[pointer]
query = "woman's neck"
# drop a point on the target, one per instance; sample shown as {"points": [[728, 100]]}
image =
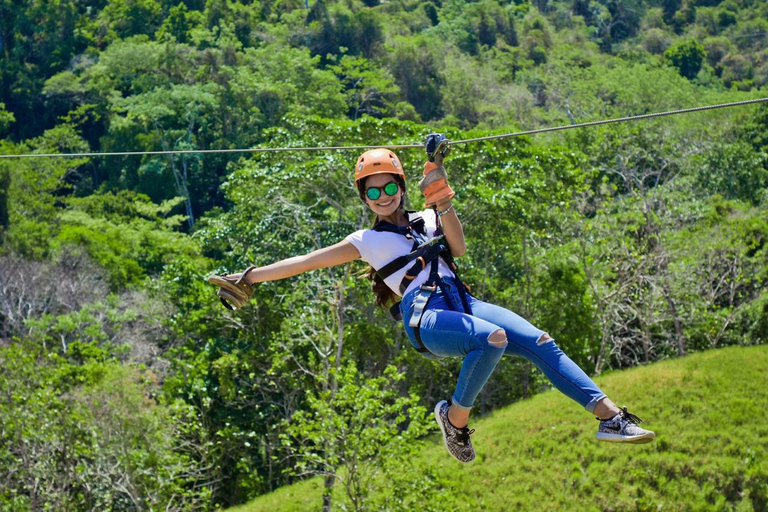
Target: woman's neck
{"points": [[399, 218]]}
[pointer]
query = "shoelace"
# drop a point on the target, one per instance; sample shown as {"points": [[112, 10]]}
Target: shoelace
{"points": [[625, 414], [463, 435], [630, 417]]}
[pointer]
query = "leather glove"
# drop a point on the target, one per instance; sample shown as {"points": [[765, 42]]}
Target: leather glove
{"points": [[233, 294], [434, 184]]}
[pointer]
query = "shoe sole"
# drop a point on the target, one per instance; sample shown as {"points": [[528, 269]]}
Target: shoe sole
{"points": [[618, 438], [442, 430]]}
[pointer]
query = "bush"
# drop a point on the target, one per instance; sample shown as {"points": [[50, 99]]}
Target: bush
{"points": [[687, 57], [656, 41], [81, 433]]}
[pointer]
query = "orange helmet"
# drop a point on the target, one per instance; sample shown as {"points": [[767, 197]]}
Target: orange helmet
{"points": [[377, 161]]}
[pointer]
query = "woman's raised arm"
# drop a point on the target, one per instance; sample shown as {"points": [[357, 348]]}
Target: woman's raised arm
{"points": [[338, 254]]}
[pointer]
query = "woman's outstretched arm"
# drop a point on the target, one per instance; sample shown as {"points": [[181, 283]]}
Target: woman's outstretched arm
{"points": [[338, 254]]}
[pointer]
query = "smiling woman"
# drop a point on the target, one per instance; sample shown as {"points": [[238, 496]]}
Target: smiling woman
{"points": [[412, 256]]}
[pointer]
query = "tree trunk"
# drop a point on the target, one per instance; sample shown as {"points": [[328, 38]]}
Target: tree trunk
{"points": [[328, 492], [601, 353], [185, 191], [334, 383], [181, 182], [672, 306]]}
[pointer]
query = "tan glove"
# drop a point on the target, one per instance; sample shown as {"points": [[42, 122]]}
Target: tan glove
{"points": [[233, 293], [434, 184]]}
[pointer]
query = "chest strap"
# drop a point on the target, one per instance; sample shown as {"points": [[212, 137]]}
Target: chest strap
{"points": [[422, 255]]}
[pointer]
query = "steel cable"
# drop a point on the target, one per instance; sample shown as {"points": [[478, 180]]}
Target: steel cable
{"points": [[390, 146]]}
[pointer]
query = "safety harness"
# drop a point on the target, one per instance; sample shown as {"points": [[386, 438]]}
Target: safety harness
{"points": [[424, 252]]}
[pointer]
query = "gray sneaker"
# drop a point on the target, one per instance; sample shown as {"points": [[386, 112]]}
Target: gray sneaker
{"points": [[456, 439], [623, 428]]}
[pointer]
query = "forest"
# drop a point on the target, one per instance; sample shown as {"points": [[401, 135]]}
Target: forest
{"points": [[125, 385]]}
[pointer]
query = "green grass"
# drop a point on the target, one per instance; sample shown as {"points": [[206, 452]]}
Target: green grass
{"points": [[711, 453]]}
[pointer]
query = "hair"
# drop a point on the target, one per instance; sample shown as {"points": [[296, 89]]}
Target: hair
{"points": [[384, 294]]}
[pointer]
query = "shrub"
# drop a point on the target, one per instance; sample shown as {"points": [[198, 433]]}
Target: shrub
{"points": [[687, 57]]}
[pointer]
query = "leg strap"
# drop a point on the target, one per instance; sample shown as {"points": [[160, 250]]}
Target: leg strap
{"points": [[419, 304]]}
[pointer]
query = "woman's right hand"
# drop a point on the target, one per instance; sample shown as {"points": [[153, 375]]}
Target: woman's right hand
{"points": [[250, 279]]}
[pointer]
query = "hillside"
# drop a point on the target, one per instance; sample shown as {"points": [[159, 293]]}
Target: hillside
{"points": [[124, 383], [708, 411]]}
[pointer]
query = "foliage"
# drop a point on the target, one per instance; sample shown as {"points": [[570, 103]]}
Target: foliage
{"points": [[125, 233], [368, 90], [35, 188], [80, 432], [629, 243], [721, 466], [359, 433], [687, 57]]}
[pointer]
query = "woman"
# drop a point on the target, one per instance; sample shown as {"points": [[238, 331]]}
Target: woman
{"points": [[412, 256]]}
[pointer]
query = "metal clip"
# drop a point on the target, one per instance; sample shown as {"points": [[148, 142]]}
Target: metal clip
{"points": [[431, 242]]}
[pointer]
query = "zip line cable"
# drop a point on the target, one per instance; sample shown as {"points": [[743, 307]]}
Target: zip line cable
{"points": [[617, 120], [391, 146]]}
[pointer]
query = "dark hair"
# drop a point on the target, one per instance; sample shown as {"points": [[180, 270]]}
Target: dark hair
{"points": [[384, 294]]}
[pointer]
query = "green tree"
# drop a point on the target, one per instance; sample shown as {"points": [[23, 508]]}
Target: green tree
{"points": [[122, 19], [723, 274], [37, 188], [417, 71], [38, 39], [369, 90], [80, 432], [735, 171], [6, 120], [357, 433], [687, 57], [333, 28], [171, 119], [179, 23]]}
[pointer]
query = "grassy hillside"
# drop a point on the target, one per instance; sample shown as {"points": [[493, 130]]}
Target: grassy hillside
{"points": [[709, 413]]}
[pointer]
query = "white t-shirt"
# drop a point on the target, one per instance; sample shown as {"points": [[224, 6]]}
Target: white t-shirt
{"points": [[378, 248]]}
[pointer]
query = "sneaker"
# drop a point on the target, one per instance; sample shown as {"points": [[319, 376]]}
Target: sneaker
{"points": [[456, 439], [623, 428]]}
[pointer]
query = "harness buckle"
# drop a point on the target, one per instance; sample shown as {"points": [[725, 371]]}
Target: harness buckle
{"points": [[429, 288]]}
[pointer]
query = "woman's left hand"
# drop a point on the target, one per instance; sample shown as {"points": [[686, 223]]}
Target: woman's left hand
{"points": [[434, 184]]}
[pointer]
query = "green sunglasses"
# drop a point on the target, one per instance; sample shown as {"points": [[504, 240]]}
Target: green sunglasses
{"points": [[374, 193]]}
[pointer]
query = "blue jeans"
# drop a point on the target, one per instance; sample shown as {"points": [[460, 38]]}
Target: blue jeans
{"points": [[447, 333]]}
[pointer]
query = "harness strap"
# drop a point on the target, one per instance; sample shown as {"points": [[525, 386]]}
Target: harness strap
{"points": [[423, 252], [419, 305], [418, 252], [431, 254], [421, 301]]}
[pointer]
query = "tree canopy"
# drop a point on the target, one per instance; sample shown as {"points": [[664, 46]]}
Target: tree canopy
{"points": [[125, 385]]}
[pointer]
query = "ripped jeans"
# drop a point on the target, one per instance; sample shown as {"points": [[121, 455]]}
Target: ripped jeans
{"points": [[447, 333]]}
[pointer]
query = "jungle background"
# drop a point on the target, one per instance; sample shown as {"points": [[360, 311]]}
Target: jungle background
{"points": [[125, 385]]}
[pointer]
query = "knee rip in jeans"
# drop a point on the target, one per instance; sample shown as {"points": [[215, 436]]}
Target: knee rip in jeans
{"points": [[543, 339], [498, 338]]}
